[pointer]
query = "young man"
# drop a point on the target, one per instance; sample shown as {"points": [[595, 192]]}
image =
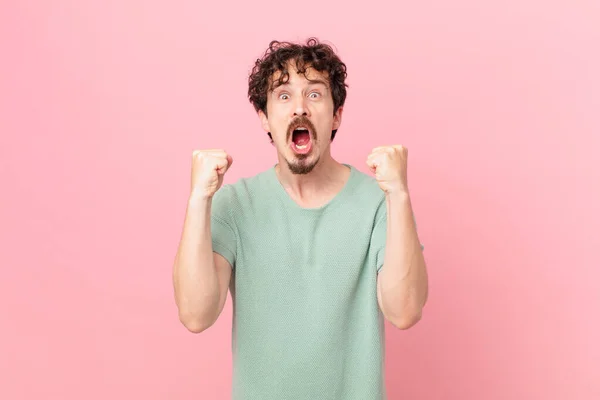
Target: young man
{"points": [[314, 252]]}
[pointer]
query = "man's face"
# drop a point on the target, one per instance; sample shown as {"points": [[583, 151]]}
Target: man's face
{"points": [[300, 118]]}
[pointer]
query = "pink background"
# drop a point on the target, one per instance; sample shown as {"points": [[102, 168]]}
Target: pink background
{"points": [[102, 103]]}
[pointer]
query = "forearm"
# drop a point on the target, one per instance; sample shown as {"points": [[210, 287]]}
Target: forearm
{"points": [[403, 280], [195, 277]]}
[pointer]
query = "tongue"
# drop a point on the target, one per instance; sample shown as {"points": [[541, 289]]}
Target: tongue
{"points": [[301, 138]]}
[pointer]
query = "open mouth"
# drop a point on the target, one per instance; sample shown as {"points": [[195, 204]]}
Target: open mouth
{"points": [[301, 140]]}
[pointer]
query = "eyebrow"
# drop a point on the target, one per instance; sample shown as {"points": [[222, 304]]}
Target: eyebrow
{"points": [[311, 82], [318, 82]]}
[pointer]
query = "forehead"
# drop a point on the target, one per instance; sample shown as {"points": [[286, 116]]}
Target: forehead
{"points": [[308, 76]]}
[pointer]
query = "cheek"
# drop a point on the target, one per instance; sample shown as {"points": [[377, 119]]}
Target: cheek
{"points": [[281, 122], [325, 124], [278, 130], [279, 126]]}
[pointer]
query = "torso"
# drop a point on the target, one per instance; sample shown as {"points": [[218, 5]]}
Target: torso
{"points": [[306, 317]]}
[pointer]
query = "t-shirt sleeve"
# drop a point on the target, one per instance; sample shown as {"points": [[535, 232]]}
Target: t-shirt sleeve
{"points": [[222, 226], [379, 235]]}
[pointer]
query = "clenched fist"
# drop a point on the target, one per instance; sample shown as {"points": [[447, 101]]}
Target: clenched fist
{"points": [[389, 164], [208, 169]]}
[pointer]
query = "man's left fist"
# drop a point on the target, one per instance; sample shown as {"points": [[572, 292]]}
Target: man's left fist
{"points": [[389, 164]]}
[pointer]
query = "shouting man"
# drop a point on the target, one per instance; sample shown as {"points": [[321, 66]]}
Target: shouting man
{"points": [[315, 253]]}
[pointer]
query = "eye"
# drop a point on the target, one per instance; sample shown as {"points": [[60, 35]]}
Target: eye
{"points": [[284, 96], [314, 95]]}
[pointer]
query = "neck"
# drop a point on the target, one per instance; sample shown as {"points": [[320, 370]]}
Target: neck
{"points": [[326, 176]]}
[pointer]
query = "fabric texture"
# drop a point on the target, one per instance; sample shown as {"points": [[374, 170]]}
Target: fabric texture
{"points": [[306, 322]]}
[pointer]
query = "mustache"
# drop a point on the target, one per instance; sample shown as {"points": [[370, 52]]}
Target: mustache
{"points": [[301, 121]]}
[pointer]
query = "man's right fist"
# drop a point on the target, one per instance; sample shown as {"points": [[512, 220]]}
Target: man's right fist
{"points": [[208, 168]]}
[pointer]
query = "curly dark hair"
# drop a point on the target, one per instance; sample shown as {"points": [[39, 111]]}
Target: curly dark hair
{"points": [[314, 54]]}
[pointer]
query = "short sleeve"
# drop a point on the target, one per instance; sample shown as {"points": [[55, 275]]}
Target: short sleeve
{"points": [[379, 236], [222, 226]]}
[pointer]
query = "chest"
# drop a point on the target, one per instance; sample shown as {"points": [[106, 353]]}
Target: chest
{"points": [[329, 249]]}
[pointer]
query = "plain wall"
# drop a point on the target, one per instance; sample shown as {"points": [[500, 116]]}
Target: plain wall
{"points": [[103, 102]]}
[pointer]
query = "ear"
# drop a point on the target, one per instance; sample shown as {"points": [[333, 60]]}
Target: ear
{"points": [[264, 121], [337, 118]]}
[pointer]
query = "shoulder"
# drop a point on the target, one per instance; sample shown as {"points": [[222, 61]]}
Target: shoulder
{"points": [[365, 185], [241, 191], [366, 180], [367, 194]]}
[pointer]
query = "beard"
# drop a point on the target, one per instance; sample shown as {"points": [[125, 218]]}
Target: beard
{"points": [[301, 165]]}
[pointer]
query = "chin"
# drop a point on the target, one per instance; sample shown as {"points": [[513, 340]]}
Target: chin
{"points": [[302, 165]]}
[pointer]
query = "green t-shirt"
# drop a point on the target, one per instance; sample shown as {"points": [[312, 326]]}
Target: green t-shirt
{"points": [[306, 322]]}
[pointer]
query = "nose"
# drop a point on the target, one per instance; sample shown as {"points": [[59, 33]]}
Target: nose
{"points": [[300, 108]]}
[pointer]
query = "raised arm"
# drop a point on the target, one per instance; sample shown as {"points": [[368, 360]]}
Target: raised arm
{"points": [[200, 276]]}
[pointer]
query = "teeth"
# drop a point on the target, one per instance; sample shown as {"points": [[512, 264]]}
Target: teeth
{"points": [[301, 147]]}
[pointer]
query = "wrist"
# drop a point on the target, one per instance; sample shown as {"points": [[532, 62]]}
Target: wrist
{"points": [[197, 198], [400, 194]]}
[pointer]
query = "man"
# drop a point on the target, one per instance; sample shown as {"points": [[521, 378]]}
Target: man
{"points": [[314, 252]]}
